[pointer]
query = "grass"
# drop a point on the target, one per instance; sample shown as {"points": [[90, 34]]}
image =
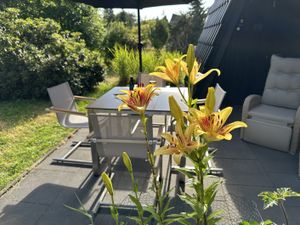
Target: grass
{"points": [[28, 132]]}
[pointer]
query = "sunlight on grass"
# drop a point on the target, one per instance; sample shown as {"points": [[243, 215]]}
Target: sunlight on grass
{"points": [[28, 132]]}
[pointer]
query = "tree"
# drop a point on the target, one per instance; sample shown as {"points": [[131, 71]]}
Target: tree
{"points": [[159, 33], [186, 28], [179, 32], [127, 18], [117, 34], [108, 16], [71, 16], [198, 14]]}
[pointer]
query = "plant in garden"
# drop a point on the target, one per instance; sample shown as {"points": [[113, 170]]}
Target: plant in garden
{"points": [[194, 130], [125, 61], [159, 33], [36, 54], [275, 198]]}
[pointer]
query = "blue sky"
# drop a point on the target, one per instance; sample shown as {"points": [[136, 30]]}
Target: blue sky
{"points": [[154, 12]]}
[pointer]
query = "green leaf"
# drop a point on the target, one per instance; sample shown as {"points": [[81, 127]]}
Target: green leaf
{"points": [[137, 202], [273, 198]]}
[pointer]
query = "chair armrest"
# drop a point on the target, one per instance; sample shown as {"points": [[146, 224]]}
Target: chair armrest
{"points": [[296, 134], [83, 98], [53, 109], [201, 101], [250, 102]]}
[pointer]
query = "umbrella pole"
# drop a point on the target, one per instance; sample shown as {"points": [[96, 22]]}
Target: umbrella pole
{"points": [[140, 45]]}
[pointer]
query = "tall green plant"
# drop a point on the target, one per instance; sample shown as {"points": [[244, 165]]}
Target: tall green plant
{"points": [[125, 61]]}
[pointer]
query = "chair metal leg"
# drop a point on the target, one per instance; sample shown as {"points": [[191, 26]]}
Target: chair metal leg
{"points": [[75, 162]]}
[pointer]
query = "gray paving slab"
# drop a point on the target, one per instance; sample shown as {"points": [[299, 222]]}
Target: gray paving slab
{"points": [[249, 169]]}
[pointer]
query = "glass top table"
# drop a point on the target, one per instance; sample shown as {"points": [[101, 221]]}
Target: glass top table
{"points": [[158, 105]]}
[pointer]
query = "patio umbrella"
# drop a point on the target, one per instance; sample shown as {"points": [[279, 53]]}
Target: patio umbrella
{"points": [[133, 4]]}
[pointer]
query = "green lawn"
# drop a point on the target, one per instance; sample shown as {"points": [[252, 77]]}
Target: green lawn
{"points": [[27, 132]]}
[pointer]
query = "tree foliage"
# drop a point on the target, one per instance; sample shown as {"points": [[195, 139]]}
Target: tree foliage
{"points": [[127, 18], [118, 34], [186, 28], [36, 53], [159, 33], [71, 16]]}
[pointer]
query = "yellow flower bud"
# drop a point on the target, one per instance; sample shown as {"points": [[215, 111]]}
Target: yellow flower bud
{"points": [[107, 183], [127, 161]]}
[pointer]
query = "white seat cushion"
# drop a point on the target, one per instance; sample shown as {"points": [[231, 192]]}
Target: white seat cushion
{"points": [[76, 121], [283, 83], [272, 113]]}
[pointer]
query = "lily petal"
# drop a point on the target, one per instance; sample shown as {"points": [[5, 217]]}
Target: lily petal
{"points": [[202, 76]]}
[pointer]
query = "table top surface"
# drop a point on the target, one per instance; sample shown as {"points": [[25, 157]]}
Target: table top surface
{"points": [[159, 104]]}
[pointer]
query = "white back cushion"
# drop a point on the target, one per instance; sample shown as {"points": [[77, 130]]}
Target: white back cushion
{"points": [[283, 83]]}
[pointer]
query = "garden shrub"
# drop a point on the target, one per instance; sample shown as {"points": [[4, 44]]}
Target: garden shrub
{"points": [[118, 34], [126, 61], [35, 53], [71, 16]]}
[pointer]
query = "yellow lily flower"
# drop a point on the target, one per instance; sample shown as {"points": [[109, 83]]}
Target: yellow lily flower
{"points": [[195, 76], [137, 99], [212, 124], [170, 72], [183, 143]]}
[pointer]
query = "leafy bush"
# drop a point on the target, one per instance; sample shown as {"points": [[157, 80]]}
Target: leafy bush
{"points": [[36, 53], [118, 34], [71, 16], [126, 61]]}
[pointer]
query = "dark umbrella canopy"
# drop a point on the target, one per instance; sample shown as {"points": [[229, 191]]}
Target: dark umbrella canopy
{"points": [[133, 4], [129, 4]]}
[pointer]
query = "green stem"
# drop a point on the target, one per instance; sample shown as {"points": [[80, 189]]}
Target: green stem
{"points": [[284, 213], [200, 195], [140, 214], [115, 210], [182, 96], [151, 162]]}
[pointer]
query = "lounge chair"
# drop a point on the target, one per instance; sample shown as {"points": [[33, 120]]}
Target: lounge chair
{"points": [[274, 118]]}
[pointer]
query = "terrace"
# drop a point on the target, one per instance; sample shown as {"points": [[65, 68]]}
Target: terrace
{"points": [[43, 194], [40, 196]]}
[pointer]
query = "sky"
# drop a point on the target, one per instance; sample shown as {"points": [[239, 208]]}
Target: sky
{"points": [[161, 11]]}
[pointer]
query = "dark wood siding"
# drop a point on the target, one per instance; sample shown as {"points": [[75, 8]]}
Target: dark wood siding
{"points": [[251, 31]]}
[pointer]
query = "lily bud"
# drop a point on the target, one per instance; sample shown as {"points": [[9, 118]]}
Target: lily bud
{"points": [[127, 162], [107, 183]]}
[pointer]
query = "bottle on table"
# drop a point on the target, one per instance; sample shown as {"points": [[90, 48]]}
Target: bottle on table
{"points": [[131, 83]]}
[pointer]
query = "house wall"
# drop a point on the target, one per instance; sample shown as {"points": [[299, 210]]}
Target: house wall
{"points": [[261, 28]]}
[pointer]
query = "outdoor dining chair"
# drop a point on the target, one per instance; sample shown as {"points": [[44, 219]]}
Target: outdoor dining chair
{"points": [[64, 106], [114, 133], [145, 79], [219, 95]]}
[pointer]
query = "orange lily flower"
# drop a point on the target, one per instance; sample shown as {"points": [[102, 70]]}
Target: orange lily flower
{"points": [[183, 143], [170, 72], [212, 124], [137, 99]]}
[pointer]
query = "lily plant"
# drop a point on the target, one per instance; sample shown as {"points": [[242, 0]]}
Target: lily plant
{"points": [[195, 129]]}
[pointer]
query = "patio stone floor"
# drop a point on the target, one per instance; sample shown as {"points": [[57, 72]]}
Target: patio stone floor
{"points": [[39, 198]]}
